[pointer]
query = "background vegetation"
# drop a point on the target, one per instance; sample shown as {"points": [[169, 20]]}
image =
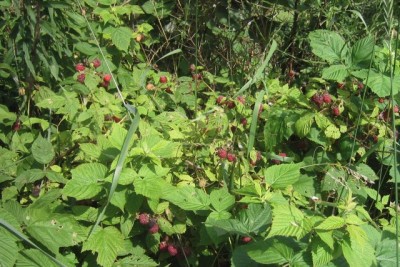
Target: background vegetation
{"points": [[199, 133]]}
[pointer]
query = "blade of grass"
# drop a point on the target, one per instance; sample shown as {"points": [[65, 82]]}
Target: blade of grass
{"points": [[23, 237], [117, 173], [260, 71], [176, 51], [254, 121]]}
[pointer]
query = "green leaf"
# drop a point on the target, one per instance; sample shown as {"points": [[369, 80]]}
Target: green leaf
{"points": [[121, 38], [34, 258], [280, 176], [386, 253], [188, 198], [42, 150], [271, 251], [85, 181], [255, 217], [151, 187], [380, 84], [335, 72], [330, 223], [137, 260], [328, 45], [362, 50], [321, 253], [288, 221], [357, 256], [8, 250], [303, 125], [107, 243], [332, 132], [221, 199]]}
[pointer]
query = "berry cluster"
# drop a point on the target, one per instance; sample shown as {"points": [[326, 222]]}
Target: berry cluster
{"points": [[224, 154], [146, 219], [81, 68], [325, 98]]}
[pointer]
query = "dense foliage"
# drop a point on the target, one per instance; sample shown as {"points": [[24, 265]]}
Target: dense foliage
{"points": [[199, 133]]}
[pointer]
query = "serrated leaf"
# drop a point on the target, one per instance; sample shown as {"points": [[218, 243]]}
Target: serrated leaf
{"points": [[335, 72], [85, 181], [121, 38], [332, 132], [330, 223], [137, 260], [288, 221], [327, 238], [34, 258], [303, 125], [107, 243], [362, 50], [328, 45], [321, 253], [380, 84], [221, 199], [255, 217], [280, 176], [322, 121], [8, 250], [42, 150], [352, 254], [189, 198]]}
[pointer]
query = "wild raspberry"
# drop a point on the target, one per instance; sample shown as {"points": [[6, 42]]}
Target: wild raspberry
{"points": [[144, 218], [172, 250], [230, 104], [231, 157], [154, 229], [335, 111], [241, 99], [243, 121], [96, 63], [246, 239], [81, 78], [318, 99], [80, 67], [163, 246], [220, 100], [107, 78], [326, 98], [396, 109], [222, 153], [163, 79]]}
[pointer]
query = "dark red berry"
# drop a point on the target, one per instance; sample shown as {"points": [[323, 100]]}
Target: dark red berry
{"points": [[335, 111], [163, 79], [340, 85], [326, 98], [81, 78], [220, 100], [360, 86], [105, 84], [163, 246], [230, 104], [243, 121], [375, 139], [197, 76], [116, 119], [154, 228], [292, 73], [172, 250], [168, 90], [16, 126], [144, 218], [246, 239], [80, 67], [396, 109], [96, 63], [107, 78], [231, 157], [318, 99], [222, 153], [241, 99], [381, 100]]}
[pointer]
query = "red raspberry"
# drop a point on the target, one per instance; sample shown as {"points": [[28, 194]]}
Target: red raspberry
{"points": [[246, 239], [335, 111], [107, 78], [163, 79], [340, 85], [154, 228], [172, 250], [220, 100], [381, 100], [241, 99], [326, 98], [163, 245], [231, 157], [222, 153], [230, 104], [81, 78], [16, 126], [144, 218], [396, 109], [96, 63], [197, 76], [243, 121], [360, 86], [318, 99], [80, 67]]}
